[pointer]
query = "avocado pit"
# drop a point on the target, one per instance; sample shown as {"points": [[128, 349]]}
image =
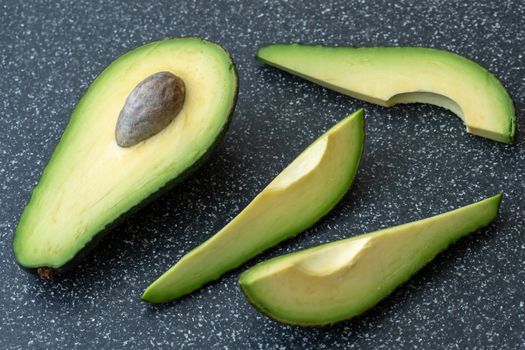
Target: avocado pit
{"points": [[150, 108]]}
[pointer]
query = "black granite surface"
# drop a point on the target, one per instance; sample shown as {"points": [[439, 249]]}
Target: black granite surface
{"points": [[418, 161]]}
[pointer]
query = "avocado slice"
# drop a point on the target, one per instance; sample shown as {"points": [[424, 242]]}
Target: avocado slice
{"points": [[340, 280], [390, 75], [298, 197], [169, 102]]}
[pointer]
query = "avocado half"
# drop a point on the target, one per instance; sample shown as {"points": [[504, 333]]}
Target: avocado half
{"points": [[340, 280], [390, 75], [298, 197], [91, 181]]}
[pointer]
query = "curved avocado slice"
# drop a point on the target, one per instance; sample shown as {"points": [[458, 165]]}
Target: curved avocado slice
{"points": [[390, 75], [91, 181], [340, 280], [297, 198]]}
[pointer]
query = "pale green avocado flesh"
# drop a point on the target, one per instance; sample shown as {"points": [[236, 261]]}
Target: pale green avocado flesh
{"points": [[340, 280], [90, 181], [391, 75], [297, 198]]}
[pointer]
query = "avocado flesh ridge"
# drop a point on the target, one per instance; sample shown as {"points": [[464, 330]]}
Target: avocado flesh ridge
{"points": [[298, 197], [90, 181], [390, 75], [340, 280]]}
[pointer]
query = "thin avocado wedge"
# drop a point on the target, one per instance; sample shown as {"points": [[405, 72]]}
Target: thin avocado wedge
{"points": [[149, 119], [298, 197], [340, 280], [390, 75]]}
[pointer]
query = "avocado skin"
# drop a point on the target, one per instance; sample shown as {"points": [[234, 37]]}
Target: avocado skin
{"points": [[81, 254]]}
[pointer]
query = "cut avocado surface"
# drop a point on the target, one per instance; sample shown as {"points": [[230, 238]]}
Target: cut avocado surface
{"points": [[340, 280], [297, 198], [91, 181], [390, 75]]}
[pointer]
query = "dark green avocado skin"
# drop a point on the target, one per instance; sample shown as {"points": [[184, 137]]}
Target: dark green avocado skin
{"points": [[69, 265]]}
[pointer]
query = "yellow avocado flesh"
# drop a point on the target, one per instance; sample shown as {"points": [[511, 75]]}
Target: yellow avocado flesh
{"points": [[391, 75], [298, 197], [340, 280], [90, 181]]}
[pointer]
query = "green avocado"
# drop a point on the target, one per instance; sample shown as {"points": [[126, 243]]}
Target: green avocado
{"points": [[340, 280], [147, 120], [298, 197], [390, 75]]}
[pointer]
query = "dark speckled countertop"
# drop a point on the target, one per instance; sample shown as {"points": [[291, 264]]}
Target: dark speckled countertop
{"points": [[418, 161]]}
